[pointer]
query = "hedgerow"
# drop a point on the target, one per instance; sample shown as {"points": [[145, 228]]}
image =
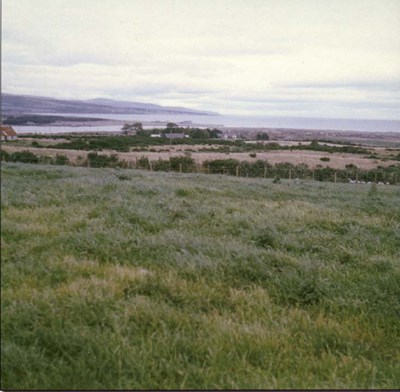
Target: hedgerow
{"points": [[233, 167]]}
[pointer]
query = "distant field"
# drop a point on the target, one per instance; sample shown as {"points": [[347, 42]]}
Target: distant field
{"points": [[373, 158], [128, 279]]}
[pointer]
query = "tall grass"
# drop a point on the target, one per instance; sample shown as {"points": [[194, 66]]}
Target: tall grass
{"points": [[122, 279]]}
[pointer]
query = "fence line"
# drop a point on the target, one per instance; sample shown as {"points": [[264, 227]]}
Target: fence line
{"points": [[258, 169], [272, 172]]}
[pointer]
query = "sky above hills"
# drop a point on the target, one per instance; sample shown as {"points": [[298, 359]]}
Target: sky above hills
{"points": [[310, 58]]}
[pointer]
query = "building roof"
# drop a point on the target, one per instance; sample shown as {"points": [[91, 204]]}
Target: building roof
{"points": [[7, 131], [174, 135]]}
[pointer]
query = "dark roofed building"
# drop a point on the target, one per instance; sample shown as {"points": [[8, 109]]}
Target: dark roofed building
{"points": [[8, 133], [175, 135]]}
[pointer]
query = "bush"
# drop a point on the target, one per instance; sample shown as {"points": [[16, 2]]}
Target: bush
{"points": [[143, 163], [222, 166], [24, 157], [4, 155], [95, 160], [253, 169], [186, 163], [61, 160], [161, 165]]}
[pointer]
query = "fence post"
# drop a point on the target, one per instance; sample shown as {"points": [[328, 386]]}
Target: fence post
{"points": [[265, 171], [180, 168], [237, 171], [335, 177]]}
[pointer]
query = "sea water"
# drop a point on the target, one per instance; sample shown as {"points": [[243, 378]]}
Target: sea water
{"points": [[221, 121]]}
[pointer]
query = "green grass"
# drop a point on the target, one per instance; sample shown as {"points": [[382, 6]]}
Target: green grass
{"points": [[122, 279]]}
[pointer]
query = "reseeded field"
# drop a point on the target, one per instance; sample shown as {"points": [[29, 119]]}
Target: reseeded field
{"points": [[128, 279], [310, 158], [132, 148]]}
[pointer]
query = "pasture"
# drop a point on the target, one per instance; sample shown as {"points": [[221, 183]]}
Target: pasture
{"points": [[129, 279]]}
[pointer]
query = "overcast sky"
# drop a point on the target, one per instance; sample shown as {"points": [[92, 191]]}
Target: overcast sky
{"points": [[309, 58]]}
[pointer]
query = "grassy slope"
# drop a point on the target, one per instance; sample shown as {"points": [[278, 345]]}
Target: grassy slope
{"points": [[127, 279]]}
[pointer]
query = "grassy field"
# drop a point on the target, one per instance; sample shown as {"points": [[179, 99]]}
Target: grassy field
{"points": [[122, 279]]}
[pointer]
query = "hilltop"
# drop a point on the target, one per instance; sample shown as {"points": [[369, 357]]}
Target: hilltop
{"points": [[17, 104]]}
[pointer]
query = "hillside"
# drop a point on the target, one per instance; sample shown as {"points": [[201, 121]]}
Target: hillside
{"points": [[129, 279], [16, 104]]}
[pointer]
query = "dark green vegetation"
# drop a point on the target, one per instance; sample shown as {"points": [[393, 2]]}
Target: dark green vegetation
{"points": [[194, 133], [123, 279], [121, 143], [207, 137], [259, 168], [30, 157]]}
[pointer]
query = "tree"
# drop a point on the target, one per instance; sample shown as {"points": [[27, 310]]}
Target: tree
{"points": [[126, 128], [172, 126], [215, 133], [137, 126], [197, 133]]}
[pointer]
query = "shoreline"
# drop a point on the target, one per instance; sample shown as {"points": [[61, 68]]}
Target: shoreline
{"points": [[275, 134]]}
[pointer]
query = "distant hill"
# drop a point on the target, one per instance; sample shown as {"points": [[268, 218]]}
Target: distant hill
{"points": [[17, 104]]}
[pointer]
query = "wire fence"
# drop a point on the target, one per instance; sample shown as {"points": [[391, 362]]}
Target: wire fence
{"points": [[232, 167], [262, 169]]}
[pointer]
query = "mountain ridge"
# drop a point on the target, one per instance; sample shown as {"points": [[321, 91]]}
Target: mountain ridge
{"points": [[16, 104]]}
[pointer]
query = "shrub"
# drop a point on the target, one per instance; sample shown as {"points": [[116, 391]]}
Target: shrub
{"points": [[61, 160], [46, 160], [4, 155], [143, 163], [325, 159], [186, 163], [222, 166], [161, 165], [24, 157], [253, 169], [95, 160]]}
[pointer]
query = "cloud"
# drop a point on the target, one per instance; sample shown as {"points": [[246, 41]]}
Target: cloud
{"points": [[303, 56]]}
